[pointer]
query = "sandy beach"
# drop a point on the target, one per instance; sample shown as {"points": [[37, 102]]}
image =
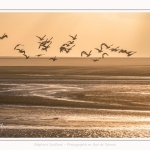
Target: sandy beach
{"points": [[76, 101]]}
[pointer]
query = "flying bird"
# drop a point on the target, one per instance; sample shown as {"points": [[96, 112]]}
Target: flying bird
{"points": [[4, 35], [96, 59], [84, 52], [104, 54], [44, 43], [41, 39], [48, 41], [104, 44], [74, 37], [70, 42], [70, 48], [66, 45], [130, 53], [46, 47], [99, 50], [39, 55], [122, 51], [21, 51], [54, 58], [62, 48], [114, 49]]}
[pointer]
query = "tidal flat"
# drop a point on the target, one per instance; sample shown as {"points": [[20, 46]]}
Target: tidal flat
{"points": [[75, 101]]}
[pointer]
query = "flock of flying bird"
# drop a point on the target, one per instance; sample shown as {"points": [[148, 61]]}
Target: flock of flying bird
{"points": [[129, 53], [45, 44]]}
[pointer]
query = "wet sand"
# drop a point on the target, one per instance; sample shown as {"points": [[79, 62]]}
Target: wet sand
{"points": [[75, 101], [38, 121]]}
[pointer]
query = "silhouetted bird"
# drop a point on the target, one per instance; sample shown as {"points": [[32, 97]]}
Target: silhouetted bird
{"points": [[62, 48], [17, 46], [122, 51], [66, 45], [84, 52], [114, 49], [54, 58], [104, 54], [39, 55], [44, 43], [70, 42], [70, 48], [4, 36], [74, 37], [21, 51], [48, 41], [99, 50], [46, 47], [26, 56], [104, 44], [41, 38], [96, 59], [130, 53]]}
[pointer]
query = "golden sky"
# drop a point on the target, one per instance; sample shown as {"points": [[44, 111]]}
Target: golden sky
{"points": [[129, 30]]}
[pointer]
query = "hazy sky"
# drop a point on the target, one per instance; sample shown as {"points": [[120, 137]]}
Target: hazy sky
{"points": [[130, 31]]}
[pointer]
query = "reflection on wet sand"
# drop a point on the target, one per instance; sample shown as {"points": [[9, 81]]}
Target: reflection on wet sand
{"points": [[126, 123], [35, 104]]}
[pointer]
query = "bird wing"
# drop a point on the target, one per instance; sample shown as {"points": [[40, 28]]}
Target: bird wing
{"points": [[73, 46], [105, 54], [51, 38], [71, 36], [38, 37], [16, 46], [97, 49], [83, 52], [43, 36], [104, 45], [25, 55]]}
